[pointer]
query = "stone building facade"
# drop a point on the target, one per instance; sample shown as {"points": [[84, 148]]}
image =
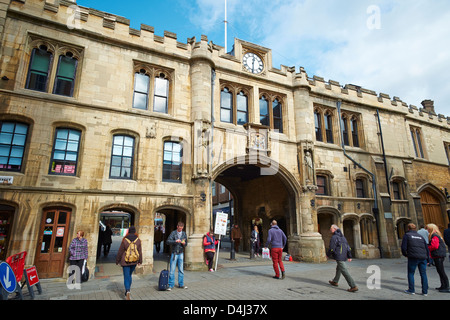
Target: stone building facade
{"points": [[99, 117]]}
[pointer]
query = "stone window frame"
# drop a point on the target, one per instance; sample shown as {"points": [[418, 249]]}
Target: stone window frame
{"points": [[328, 175], [57, 49], [154, 72], [179, 141], [348, 119], [447, 151], [19, 120], [133, 156], [235, 90], [68, 126], [366, 181], [400, 183], [418, 142], [320, 113], [271, 97]]}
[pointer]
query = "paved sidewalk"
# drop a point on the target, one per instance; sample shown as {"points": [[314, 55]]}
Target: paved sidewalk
{"points": [[251, 279]]}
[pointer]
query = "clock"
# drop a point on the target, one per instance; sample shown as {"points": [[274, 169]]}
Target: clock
{"points": [[253, 63]]}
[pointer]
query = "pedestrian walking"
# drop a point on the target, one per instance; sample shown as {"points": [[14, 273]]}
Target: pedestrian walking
{"points": [[78, 253], [107, 240], [255, 238], [209, 245], [340, 251], [158, 238], [236, 236], [415, 248], [129, 256], [277, 239], [438, 252], [177, 241]]}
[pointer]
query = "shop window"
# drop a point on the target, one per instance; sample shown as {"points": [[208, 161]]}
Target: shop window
{"points": [[122, 157], [13, 137], [65, 75], [172, 162], [38, 71], [6, 222], [65, 152]]}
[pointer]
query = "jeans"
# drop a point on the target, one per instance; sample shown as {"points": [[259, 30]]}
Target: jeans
{"points": [[127, 272], [422, 265], [176, 260], [276, 254], [341, 268]]}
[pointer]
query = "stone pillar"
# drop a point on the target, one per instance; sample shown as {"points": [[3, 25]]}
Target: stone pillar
{"points": [[201, 67], [311, 247]]}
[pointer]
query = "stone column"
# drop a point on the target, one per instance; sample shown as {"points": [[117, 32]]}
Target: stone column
{"points": [[311, 247], [201, 67]]}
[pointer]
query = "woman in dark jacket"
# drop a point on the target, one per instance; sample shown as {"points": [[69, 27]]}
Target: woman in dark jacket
{"points": [[438, 251], [129, 265]]}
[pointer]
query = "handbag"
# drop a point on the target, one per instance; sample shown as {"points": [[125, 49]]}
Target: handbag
{"points": [[265, 253], [85, 272]]}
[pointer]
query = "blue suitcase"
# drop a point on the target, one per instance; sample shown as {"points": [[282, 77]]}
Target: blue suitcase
{"points": [[163, 283]]}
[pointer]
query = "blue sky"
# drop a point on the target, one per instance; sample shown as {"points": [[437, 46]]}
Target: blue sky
{"points": [[397, 47]]}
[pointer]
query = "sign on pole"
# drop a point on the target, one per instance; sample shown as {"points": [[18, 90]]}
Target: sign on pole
{"points": [[221, 223], [7, 278], [220, 229]]}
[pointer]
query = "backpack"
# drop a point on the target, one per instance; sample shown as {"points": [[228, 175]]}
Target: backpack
{"points": [[132, 254]]}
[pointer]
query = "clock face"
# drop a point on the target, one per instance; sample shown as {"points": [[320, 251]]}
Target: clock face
{"points": [[253, 63]]}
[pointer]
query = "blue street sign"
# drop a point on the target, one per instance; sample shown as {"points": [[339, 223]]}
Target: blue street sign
{"points": [[7, 277]]}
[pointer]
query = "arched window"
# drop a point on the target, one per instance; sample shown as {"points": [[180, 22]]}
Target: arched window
{"points": [[277, 115], [354, 127], [38, 71], [242, 108], [318, 125], [361, 188], [264, 116], [328, 119], [66, 146], [345, 130], [226, 106], [13, 136], [141, 89], [65, 75], [161, 97], [172, 162]]}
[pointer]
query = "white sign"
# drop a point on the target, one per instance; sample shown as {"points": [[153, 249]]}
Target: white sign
{"points": [[6, 180], [221, 223]]}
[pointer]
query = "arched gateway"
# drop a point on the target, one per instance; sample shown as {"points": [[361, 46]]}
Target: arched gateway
{"points": [[264, 190]]}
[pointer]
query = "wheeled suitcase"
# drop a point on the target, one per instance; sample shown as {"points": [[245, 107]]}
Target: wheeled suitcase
{"points": [[163, 283]]}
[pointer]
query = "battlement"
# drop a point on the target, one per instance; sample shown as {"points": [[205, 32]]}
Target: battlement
{"points": [[67, 14]]}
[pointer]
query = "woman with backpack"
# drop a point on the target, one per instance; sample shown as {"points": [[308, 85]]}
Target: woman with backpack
{"points": [[438, 251], [129, 255]]}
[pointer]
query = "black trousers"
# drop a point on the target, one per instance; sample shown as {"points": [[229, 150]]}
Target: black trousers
{"points": [[210, 258], [439, 262]]}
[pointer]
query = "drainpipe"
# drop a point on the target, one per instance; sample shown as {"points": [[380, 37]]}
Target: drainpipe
{"points": [[375, 209], [384, 155]]}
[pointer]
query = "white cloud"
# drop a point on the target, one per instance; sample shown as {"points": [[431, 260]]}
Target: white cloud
{"points": [[408, 57]]}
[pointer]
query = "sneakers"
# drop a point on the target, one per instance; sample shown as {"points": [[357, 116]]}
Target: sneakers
{"points": [[211, 270], [182, 287], [128, 295], [409, 292]]}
